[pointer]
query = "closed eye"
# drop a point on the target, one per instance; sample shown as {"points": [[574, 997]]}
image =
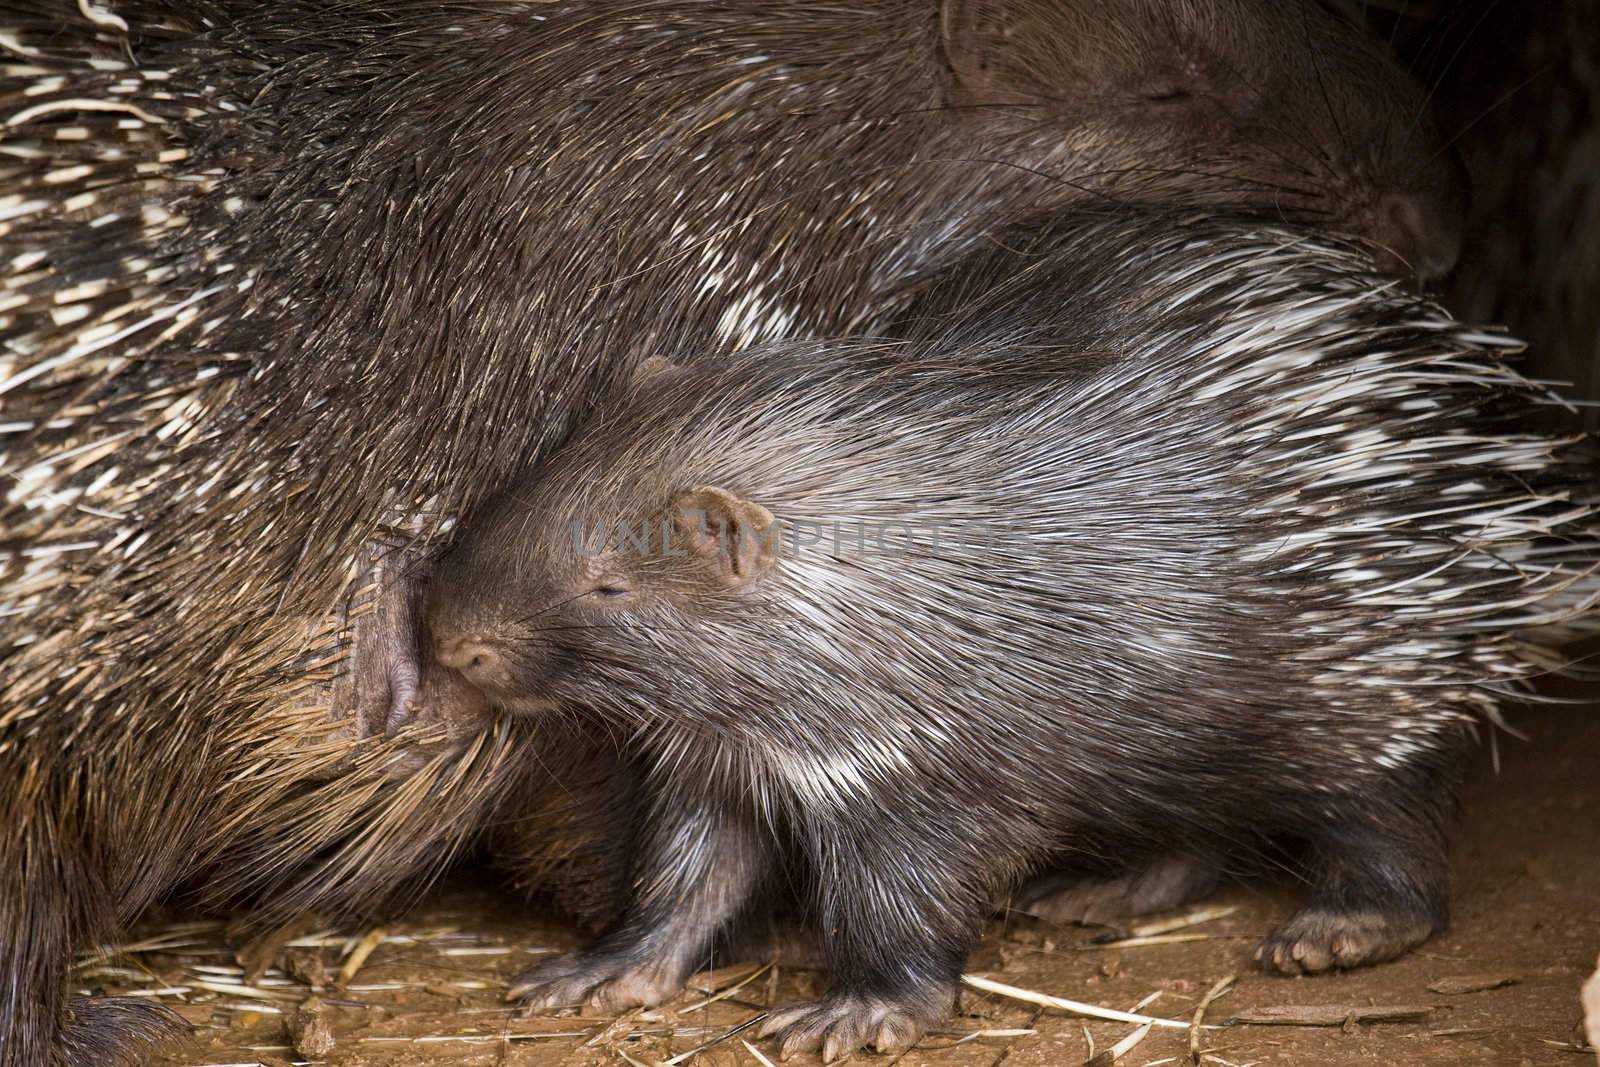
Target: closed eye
{"points": [[1169, 96], [610, 592]]}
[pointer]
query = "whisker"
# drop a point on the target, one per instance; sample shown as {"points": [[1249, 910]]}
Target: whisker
{"points": [[546, 610], [1345, 142], [629, 626], [1438, 80], [1500, 102]]}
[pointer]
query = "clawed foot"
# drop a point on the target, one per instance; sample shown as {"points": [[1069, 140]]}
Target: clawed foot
{"points": [[387, 688], [597, 980], [1318, 939], [841, 1024]]}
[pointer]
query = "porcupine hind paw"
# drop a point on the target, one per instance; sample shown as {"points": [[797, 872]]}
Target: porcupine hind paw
{"points": [[599, 980], [116, 1031], [1069, 897], [841, 1023], [1322, 939], [1380, 879]]}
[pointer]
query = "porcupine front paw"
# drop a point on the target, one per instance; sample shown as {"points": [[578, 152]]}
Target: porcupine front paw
{"points": [[841, 1023], [116, 1031], [1322, 939], [600, 980]]}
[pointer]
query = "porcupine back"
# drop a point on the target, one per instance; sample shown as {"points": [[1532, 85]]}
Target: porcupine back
{"points": [[1256, 443]]}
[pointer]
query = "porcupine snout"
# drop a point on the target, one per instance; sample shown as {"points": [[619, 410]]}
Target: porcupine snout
{"points": [[487, 667], [470, 654], [1422, 229]]}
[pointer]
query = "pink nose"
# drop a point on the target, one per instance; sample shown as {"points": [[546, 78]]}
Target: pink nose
{"points": [[469, 655], [1421, 230]]}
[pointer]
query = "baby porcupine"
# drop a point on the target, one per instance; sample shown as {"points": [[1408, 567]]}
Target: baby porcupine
{"points": [[1193, 532]]}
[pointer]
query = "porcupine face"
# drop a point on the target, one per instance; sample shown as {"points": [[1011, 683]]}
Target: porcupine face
{"points": [[553, 595], [1276, 108]]}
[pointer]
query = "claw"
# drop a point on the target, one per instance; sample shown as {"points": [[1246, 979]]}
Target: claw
{"points": [[1316, 940], [404, 698], [840, 1025], [605, 983]]}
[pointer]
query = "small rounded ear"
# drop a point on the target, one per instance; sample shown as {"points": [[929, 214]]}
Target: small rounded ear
{"points": [[1033, 52], [977, 35], [736, 538]]}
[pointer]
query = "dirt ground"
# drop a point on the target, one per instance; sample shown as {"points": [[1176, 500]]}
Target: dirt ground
{"points": [[1499, 987]]}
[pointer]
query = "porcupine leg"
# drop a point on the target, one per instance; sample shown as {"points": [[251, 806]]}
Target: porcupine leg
{"points": [[699, 862], [33, 957], [897, 916], [563, 831], [1077, 897], [41, 888], [1380, 882]]}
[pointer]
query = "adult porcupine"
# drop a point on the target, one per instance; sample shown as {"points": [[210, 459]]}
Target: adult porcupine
{"points": [[258, 255], [1186, 534]]}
